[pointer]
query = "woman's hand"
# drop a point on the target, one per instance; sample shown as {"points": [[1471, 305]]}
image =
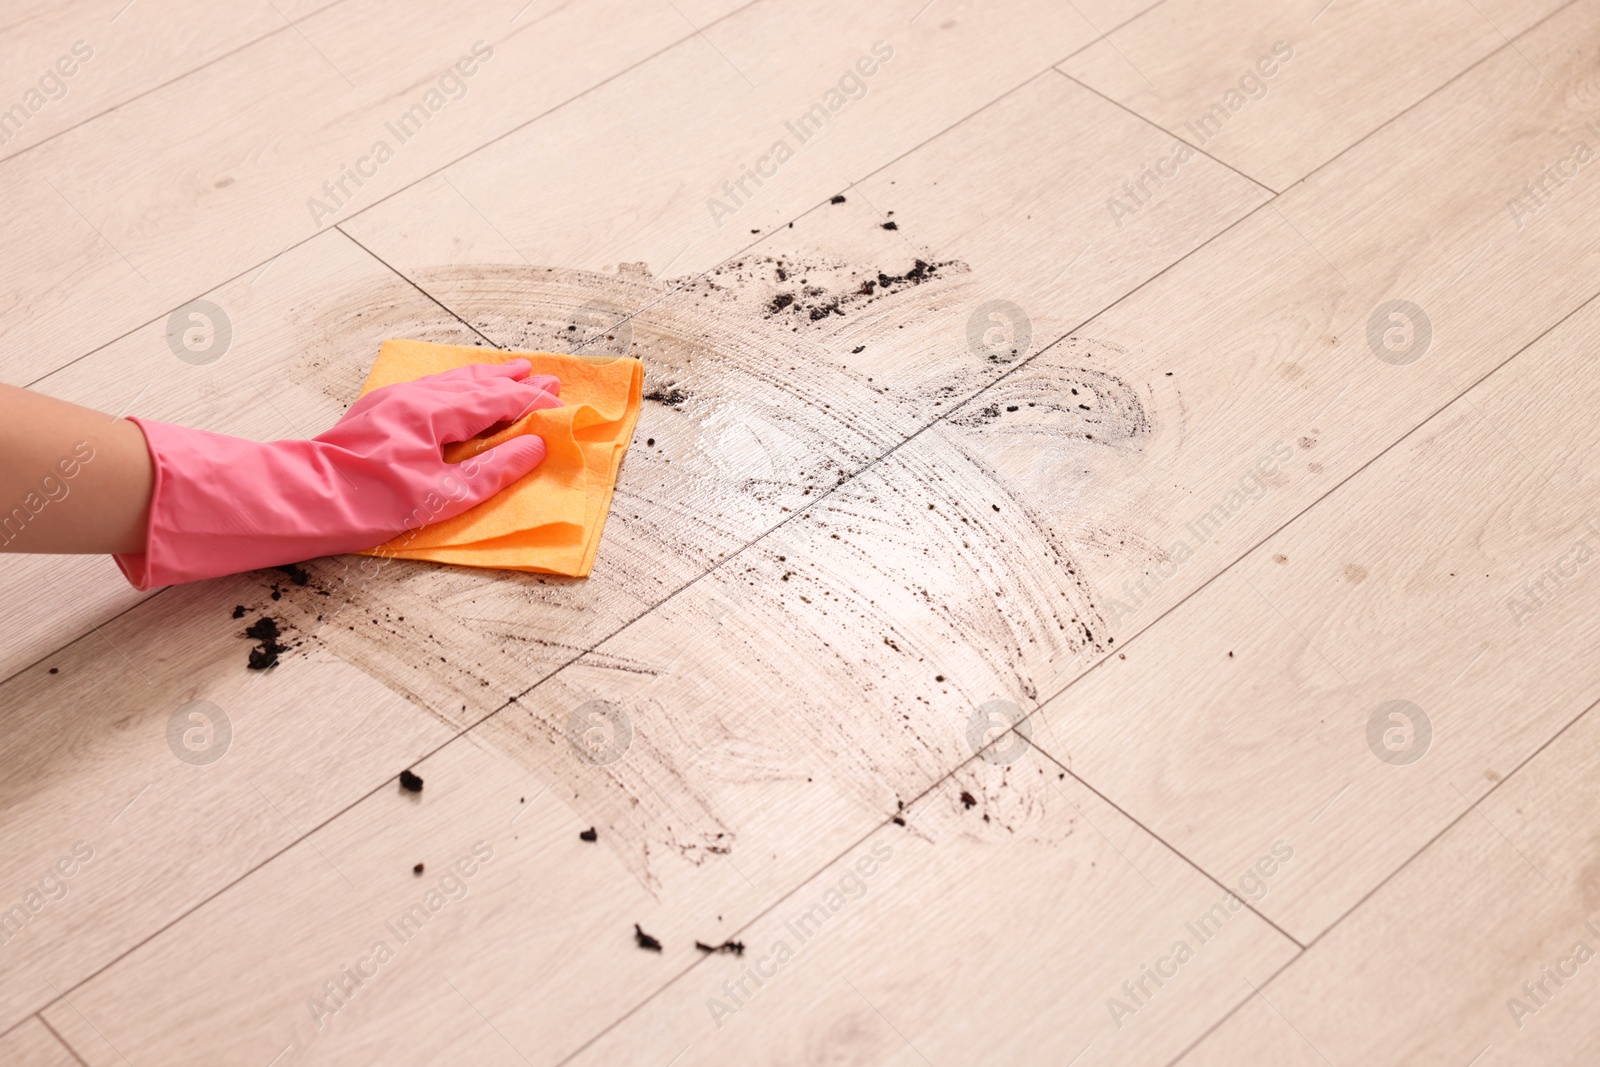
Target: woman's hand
{"points": [[182, 504], [221, 504]]}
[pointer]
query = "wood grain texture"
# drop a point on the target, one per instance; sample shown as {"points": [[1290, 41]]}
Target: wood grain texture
{"points": [[124, 50], [1418, 504], [735, 440], [544, 927], [1259, 356], [95, 765], [1277, 90], [1451, 574], [652, 168], [1044, 390], [1502, 899], [32, 1044], [902, 973], [528, 962], [125, 217]]}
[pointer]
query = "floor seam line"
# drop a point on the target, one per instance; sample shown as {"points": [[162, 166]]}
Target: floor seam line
{"points": [[288, 25], [1468, 810], [354, 215], [71, 1051], [873, 463]]}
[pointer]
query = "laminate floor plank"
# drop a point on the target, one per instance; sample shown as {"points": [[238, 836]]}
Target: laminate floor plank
{"points": [[90, 728], [70, 62], [1278, 90], [1516, 872], [32, 1044], [533, 952], [911, 460], [684, 163], [124, 218], [754, 407], [1360, 679]]}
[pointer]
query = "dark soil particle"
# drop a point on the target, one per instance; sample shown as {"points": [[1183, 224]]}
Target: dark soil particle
{"points": [[891, 225], [417, 870], [898, 821], [735, 948], [813, 303], [296, 574], [238, 611], [858, 349], [591, 834], [265, 632], [644, 940], [836, 199], [968, 801], [671, 397], [410, 782], [55, 670]]}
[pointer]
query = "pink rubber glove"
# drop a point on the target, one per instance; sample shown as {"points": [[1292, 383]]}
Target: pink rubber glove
{"points": [[224, 504]]}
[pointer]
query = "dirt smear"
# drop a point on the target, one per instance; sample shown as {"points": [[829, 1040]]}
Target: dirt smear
{"points": [[930, 565]]}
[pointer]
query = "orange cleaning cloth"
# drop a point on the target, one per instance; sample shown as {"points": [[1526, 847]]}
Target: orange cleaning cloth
{"points": [[550, 521]]}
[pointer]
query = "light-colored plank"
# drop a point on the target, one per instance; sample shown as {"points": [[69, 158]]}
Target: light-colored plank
{"points": [[648, 168], [731, 493], [1278, 89], [1255, 363], [107, 768], [768, 717], [922, 960], [1517, 873], [737, 438], [84, 57], [1362, 402], [84, 741], [1451, 574], [538, 955], [31, 1044], [127, 216], [295, 343], [750, 729], [546, 924]]}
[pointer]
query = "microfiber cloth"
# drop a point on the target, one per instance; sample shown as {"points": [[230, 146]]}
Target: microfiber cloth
{"points": [[550, 521]]}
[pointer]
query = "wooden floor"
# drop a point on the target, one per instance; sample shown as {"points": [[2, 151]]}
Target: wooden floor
{"points": [[1103, 575]]}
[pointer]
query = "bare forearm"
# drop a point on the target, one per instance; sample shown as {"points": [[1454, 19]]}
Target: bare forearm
{"points": [[72, 479]]}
